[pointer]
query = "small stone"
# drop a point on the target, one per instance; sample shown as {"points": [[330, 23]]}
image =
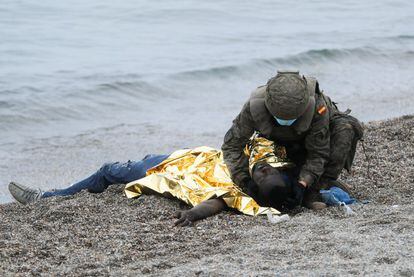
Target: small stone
{"points": [[145, 270]]}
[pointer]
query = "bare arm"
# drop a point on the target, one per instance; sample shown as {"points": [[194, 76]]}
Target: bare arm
{"points": [[203, 210]]}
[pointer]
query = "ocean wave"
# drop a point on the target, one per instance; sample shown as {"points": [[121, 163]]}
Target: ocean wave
{"points": [[140, 89], [403, 37], [5, 104], [314, 56]]}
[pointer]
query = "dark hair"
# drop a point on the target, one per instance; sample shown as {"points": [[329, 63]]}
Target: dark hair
{"points": [[272, 192], [279, 195]]}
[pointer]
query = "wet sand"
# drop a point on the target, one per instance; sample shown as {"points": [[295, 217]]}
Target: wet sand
{"points": [[107, 234]]}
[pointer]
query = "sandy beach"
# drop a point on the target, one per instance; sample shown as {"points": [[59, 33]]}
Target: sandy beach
{"points": [[108, 234]]}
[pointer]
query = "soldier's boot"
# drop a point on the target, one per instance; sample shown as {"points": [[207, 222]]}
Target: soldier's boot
{"points": [[313, 200], [316, 205]]}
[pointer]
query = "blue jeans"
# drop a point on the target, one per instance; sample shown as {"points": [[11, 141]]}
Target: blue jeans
{"points": [[109, 174]]}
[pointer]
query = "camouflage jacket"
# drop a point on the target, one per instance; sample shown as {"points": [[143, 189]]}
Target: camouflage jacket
{"points": [[312, 135]]}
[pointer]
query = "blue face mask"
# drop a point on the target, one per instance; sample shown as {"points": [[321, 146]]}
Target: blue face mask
{"points": [[284, 122]]}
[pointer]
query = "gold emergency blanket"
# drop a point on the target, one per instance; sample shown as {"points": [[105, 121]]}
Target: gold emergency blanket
{"points": [[260, 149], [193, 176]]}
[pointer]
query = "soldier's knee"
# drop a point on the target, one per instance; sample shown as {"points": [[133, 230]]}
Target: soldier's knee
{"points": [[342, 136], [344, 128], [338, 158], [341, 144], [348, 128]]}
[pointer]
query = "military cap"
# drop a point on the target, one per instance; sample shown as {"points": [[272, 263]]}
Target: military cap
{"points": [[286, 95]]}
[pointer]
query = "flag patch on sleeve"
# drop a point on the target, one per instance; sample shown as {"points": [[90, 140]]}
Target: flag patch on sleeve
{"points": [[321, 110]]}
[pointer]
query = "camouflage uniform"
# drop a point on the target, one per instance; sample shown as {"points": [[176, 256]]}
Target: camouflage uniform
{"points": [[321, 142]]}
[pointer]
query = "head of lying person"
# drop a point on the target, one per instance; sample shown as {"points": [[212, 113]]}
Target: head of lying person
{"points": [[268, 187]]}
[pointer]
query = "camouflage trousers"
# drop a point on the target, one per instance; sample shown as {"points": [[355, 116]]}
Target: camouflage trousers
{"points": [[345, 131]]}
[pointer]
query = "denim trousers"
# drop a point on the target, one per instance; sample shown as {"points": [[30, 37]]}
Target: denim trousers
{"points": [[109, 174]]}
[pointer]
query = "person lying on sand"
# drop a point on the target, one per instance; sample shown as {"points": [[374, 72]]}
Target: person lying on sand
{"points": [[198, 177]]}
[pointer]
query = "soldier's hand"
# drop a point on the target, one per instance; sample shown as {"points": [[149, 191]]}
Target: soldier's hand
{"points": [[184, 218]]}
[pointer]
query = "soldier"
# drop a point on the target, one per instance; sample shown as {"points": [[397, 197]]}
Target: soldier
{"points": [[293, 112]]}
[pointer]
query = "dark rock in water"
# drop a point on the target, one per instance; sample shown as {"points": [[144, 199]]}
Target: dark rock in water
{"points": [[107, 234]]}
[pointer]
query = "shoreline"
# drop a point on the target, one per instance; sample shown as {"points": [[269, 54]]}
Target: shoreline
{"points": [[53, 151], [107, 234]]}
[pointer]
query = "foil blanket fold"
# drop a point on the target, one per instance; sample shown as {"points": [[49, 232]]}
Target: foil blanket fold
{"points": [[262, 150], [193, 176]]}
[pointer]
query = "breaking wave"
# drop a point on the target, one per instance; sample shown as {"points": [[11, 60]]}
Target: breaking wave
{"points": [[298, 61]]}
